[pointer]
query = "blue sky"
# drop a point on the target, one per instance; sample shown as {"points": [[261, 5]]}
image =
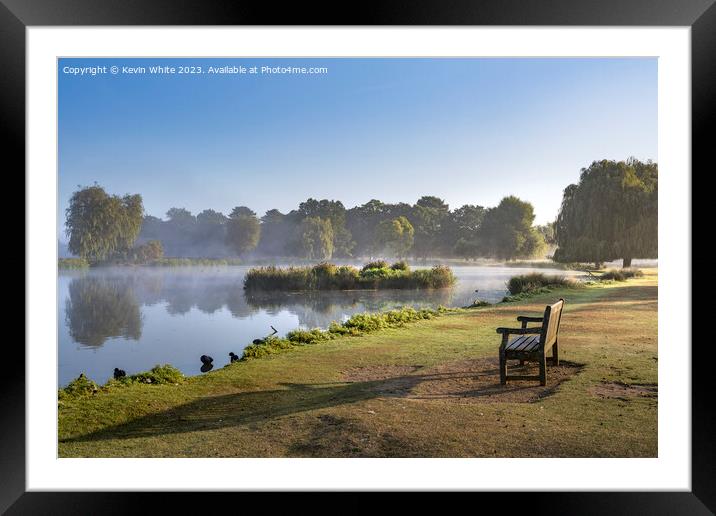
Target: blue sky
{"points": [[470, 131]]}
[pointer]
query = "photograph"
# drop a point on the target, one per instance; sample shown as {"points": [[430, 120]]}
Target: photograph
{"points": [[346, 257]]}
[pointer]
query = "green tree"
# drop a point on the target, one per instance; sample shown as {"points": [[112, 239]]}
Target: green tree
{"points": [[211, 225], [334, 211], [315, 239], [395, 236], [460, 231], [468, 249], [277, 232], [149, 252], [243, 230], [507, 230], [611, 213], [547, 232], [181, 218], [361, 221], [100, 225], [428, 217]]}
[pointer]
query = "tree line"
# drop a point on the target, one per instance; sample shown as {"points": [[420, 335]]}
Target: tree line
{"points": [[325, 229], [610, 214]]}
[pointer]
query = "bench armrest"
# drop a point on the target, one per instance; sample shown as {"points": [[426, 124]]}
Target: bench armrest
{"points": [[526, 318], [519, 331]]}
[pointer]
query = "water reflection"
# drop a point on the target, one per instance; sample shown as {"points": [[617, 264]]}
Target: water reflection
{"points": [[319, 309], [98, 308], [135, 318]]}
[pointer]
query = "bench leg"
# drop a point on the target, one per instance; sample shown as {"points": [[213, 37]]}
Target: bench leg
{"points": [[555, 353], [503, 368], [543, 370]]}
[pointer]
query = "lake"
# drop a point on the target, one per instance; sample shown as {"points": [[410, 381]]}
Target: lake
{"points": [[134, 318]]}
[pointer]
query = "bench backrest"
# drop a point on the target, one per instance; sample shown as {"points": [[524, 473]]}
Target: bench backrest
{"points": [[550, 324]]}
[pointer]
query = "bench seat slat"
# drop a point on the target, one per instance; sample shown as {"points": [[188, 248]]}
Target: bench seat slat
{"points": [[534, 346], [519, 340], [525, 343]]}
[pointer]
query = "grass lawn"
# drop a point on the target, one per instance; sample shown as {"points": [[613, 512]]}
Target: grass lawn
{"points": [[430, 389]]}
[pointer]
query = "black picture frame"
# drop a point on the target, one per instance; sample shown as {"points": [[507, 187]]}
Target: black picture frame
{"points": [[700, 15]]}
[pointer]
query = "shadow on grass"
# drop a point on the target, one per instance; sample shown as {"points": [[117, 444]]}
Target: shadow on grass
{"points": [[466, 380]]}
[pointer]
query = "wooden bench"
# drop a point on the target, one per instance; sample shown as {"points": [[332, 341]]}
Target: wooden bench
{"points": [[532, 344]]}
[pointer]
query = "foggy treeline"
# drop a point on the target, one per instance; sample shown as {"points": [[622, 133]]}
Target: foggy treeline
{"points": [[611, 213], [322, 229]]}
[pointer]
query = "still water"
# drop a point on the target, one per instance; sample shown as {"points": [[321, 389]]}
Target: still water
{"points": [[135, 318]]}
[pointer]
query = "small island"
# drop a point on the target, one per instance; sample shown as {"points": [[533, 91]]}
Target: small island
{"points": [[327, 276]]}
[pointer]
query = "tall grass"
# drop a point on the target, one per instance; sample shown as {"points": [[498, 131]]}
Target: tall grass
{"points": [[189, 262], [326, 276], [72, 263], [536, 281], [621, 274]]}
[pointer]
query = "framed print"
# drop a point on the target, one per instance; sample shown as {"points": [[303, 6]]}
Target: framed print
{"points": [[421, 249]]}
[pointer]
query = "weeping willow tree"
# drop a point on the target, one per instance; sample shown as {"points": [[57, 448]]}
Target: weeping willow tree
{"points": [[610, 214], [395, 236], [315, 238], [100, 225]]}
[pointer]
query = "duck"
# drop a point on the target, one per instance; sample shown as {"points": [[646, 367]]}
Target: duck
{"points": [[119, 373], [234, 357], [205, 359], [262, 341]]}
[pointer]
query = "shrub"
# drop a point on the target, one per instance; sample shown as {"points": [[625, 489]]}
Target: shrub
{"points": [[621, 274], [308, 336], [270, 345], [149, 252], [441, 276], [400, 266], [80, 386], [378, 264], [478, 303], [326, 276], [537, 280], [346, 278], [157, 375], [375, 273], [526, 294]]}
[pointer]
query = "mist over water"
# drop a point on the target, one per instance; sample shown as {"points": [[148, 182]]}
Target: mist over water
{"points": [[136, 317]]}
